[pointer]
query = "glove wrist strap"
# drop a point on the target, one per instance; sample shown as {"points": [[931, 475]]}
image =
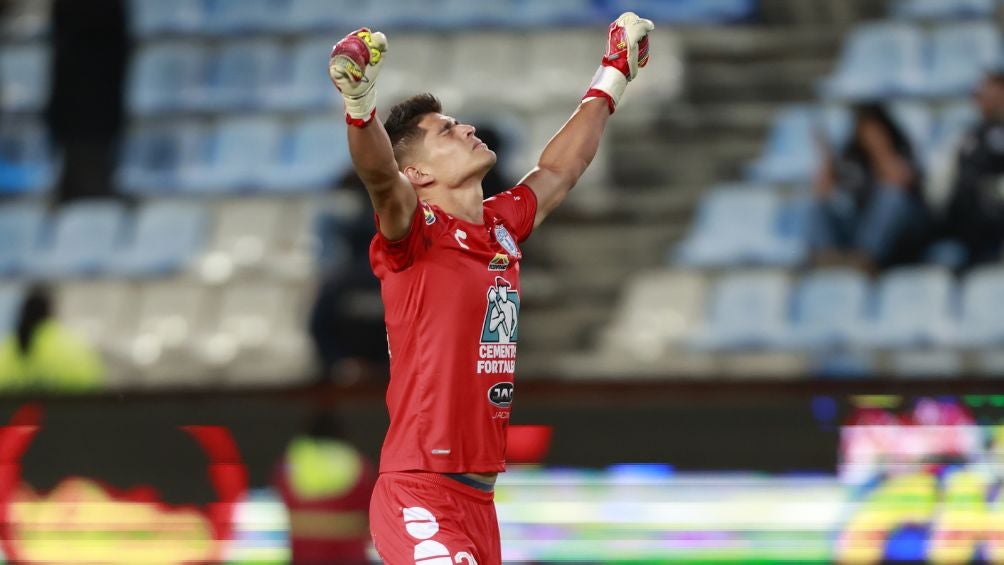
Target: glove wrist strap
{"points": [[361, 108], [609, 83]]}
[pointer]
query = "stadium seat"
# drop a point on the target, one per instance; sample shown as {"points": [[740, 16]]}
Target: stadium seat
{"points": [[242, 72], [791, 153], [28, 164], [879, 60], [660, 309], [913, 309], [314, 156], [418, 67], [167, 77], [103, 312], [238, 16], [686, 11], [738, 225], [485, 65], [943, 9], [166, 236], [171, 314], [244, 237], [960, 54], [320, 15], [980, 324], [155, 157], [24, 77], [11, 296], [748, 310], [917, 123], [260, 338], [303, 82], [85, 236], [828, 308], [236, 156], [20, 229], [152, 17]]}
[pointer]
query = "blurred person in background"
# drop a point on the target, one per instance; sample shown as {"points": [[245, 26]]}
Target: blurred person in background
{"points": [[869, 211], [85, 116], [44, 355], [440, 248], [326, 485], [974, 216]]}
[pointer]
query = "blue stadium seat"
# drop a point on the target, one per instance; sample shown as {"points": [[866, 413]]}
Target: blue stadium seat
{"points": [[84, 239], [747, 311], [27, 162], [20, 230], [167, 77], [152, 17], [166, 235], [943, 9], [154, 158], [917, 123], [829, 307], [879, 60], [303, 82], [24, 77], [791, 153], [239, 16], [686, 11], [913, 309], [960, 54], [325, 15], [242, 72], [11, 297], [980, 322], [743, 225], [314, 156], [237, 156]]}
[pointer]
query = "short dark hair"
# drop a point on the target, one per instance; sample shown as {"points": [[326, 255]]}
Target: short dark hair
{"points": [[402, 124]]}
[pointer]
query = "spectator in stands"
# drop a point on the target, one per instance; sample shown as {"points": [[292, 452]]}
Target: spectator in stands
{"points": [[974, 216], [85, 115], [43, 355], [326, 485], [869, 210]]}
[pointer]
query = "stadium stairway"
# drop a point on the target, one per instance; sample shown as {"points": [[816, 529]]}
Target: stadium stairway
{"points": [[735, 78]]}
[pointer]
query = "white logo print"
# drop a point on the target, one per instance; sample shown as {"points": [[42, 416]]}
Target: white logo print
{"points": [[460, 235], [422, 525]]}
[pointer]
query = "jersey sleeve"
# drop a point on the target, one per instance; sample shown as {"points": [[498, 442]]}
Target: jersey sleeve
{"points": [[518, 207], [398, 255]]}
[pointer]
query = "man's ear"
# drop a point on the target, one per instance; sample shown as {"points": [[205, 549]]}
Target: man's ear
{"points": [[418, 177]]}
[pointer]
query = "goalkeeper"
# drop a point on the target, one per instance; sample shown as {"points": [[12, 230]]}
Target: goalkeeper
{"points": [[439, 250]]}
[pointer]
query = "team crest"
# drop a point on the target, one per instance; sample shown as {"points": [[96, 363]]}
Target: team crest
{"points": [[506, 240], [430, 216], [502, 316], [499, 263]]}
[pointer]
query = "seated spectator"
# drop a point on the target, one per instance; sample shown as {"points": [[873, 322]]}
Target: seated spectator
{"points": [[43, 355], [974, 216], [869, 210]]}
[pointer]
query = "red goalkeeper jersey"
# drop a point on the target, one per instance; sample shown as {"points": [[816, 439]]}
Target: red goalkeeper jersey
{"points": [[451, 297]]}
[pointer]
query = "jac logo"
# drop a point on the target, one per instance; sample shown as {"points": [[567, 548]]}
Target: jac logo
{"points": [[501, 395]]}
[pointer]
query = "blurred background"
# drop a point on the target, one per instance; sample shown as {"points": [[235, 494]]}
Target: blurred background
{"points": [[767, 325]]}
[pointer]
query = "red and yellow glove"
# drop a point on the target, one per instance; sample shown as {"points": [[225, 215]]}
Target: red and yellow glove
{"points": [[353, 67], [627, 51]]}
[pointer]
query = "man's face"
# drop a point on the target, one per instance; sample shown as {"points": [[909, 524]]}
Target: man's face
{"points": [[450, 151], [990, 97], [504, 294]]}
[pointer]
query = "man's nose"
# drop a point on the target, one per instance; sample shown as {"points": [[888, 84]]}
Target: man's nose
{"points": [[468, 130]]}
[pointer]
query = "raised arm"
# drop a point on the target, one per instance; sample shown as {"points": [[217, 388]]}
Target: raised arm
{"points": [[570, 151], [354, 66]]}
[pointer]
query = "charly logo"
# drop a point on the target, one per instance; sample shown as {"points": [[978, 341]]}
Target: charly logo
{"points": [[499, 263], [506, 240], [501, 394]]}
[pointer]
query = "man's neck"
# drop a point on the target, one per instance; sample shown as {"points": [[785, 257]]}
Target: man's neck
{"points": [[466, 203]]}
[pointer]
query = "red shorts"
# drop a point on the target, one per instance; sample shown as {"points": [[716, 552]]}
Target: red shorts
{"points": [[429, 519]]}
